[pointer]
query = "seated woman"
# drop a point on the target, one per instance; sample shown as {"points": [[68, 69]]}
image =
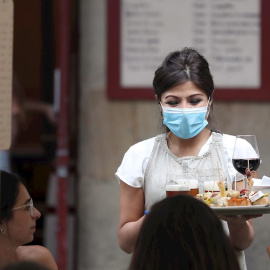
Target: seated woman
{"points": [[18, 224], [181, 232]]}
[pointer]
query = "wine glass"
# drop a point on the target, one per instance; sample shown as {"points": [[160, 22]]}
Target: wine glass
{"points": [[246, 157]]}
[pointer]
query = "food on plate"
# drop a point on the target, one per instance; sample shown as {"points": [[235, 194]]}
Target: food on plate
{"points": [[250, 181], [222, 189], [230, 197], [233, 193], [261, 201], [258, 198], [242, 201], [213, 199], [249, 175], [244, 193]]}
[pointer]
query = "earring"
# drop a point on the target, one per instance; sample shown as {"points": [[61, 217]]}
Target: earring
{"points": [[161, 113], [2, 230]]}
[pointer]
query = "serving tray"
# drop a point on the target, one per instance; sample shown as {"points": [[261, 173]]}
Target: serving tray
{"points": [[242, 210]]}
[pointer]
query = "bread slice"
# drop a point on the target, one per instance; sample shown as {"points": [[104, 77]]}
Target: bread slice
{"points": [[233, 193], [261, 201]]}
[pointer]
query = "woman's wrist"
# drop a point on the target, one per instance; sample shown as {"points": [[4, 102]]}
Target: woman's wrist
{"points": [[237, 221]]}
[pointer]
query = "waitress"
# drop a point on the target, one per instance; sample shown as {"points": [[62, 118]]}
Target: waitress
{"points": [[184, 89]]}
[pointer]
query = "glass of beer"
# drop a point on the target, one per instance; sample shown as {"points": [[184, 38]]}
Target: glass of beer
{"points": [[177, 189], [194, 187], [176, 186]]}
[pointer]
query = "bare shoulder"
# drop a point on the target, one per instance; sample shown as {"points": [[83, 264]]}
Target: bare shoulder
{"points": [[37, 254]]}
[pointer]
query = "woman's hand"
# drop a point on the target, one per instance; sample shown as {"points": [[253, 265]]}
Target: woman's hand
{"points": [[238, 219]]}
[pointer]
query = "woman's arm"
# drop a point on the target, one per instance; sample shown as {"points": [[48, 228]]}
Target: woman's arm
{"points": [[240, 227], [241, 231], [131, 216], [268, 251]]}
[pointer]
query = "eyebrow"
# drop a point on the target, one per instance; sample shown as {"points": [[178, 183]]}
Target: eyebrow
{"points": [[199, 94], [192, 96]]}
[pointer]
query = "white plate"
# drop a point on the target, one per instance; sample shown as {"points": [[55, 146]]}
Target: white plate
{"points": [[242, 210]]}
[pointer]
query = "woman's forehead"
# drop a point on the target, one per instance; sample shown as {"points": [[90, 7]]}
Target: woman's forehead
{"points": [[23, 195], [184, 90]]}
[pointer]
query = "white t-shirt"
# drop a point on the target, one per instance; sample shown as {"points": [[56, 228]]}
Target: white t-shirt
{"points": [[134, 163]]}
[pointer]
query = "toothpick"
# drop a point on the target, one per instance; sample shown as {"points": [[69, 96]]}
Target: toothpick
{"points": [[221, 177], [220, 173]]}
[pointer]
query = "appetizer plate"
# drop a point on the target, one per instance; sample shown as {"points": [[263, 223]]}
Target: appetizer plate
{"points": [[242, 210]]}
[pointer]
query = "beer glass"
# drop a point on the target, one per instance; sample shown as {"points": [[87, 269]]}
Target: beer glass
{"points": [[178, 185]]}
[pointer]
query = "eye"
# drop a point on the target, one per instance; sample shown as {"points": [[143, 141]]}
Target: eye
{"points": [[172, 103], [27, 207], [195, 101]]}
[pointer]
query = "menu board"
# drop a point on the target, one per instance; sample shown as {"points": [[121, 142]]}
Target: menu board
{"points": [[231, 35], [6, 49]]}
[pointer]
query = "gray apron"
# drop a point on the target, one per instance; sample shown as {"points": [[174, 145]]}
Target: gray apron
{"points": [[208, 167]]}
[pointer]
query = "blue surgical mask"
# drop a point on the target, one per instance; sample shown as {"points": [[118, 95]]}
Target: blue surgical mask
{"points": [[185, 123]]}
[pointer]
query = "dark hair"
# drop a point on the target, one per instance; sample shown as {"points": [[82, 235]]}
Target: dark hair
{"points": [[181, 232], [180, 67], [25, 265], [9, 193]]}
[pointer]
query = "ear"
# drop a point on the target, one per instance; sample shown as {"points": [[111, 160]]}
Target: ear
{"points": [[208, 108], [210, 103], [3, 230], [156, 97], [159, 105], [212, 96]]}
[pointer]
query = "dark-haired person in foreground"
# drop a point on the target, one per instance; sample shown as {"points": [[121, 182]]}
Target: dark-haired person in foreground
{"points": [[181, 232]]}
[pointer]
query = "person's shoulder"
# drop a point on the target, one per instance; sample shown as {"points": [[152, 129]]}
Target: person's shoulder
{"points": [[33, 249], [224, 135], [229, 138], [228, 142], [38, 254]]}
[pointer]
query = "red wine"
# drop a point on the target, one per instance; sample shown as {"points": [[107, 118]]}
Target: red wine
{"points": [[242, 164]]}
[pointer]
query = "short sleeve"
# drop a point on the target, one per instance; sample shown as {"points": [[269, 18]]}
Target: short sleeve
{"points": [[228, 144], [133, 166]]}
